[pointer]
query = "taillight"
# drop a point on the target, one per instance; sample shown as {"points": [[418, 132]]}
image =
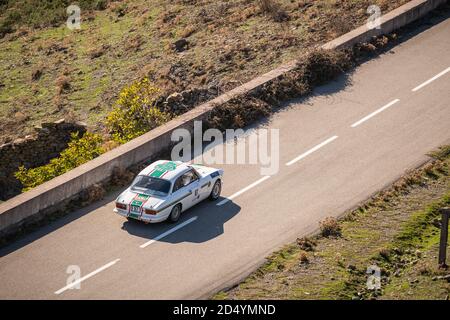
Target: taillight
{"points": [[148, 211], [122, 206]]}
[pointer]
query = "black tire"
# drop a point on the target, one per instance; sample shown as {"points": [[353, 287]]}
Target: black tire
{"points": [[215, 192], [175, 214]]}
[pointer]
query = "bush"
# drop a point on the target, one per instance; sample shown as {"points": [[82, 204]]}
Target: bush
{"points": [[273, 9], [62, 84], [303, 258], [321, 66], [306, 244], [135, 112], [93, 193], [80, 150], [238, 113], [330, 227], [121, 176]]}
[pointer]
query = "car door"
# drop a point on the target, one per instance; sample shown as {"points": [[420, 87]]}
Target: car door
{"points": [[205, 184], [187, 189]]}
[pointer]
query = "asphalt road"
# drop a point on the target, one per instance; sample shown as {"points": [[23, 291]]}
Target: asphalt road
{"points": [[380, 127]]}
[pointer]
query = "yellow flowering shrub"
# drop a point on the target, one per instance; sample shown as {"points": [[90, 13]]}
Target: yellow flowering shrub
{"points": [[79, 150], [134, 112]]}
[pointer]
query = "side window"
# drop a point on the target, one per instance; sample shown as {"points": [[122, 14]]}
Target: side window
{"points": [[190, 177], [178, 184], [185, 180], [194, 175]]}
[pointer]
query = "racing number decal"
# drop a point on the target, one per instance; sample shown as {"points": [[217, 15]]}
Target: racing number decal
{"points": [[196, 195], [136, 205]]}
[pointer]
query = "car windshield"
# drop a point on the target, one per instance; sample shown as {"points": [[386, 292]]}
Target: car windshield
{"points": [[150, 185]]}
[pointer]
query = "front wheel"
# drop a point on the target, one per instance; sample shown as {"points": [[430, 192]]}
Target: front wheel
{"points": [[175, 213], [215, 192]]}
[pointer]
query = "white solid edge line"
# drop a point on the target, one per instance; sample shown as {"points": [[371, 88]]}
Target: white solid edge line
{"points": [[254, 184], [390, 104], [431, 80], [165, 234], [93, 273], [307, 153]]}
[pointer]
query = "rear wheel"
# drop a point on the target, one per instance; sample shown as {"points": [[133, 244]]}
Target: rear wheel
{"points": [[175, 213], [215, 192]]}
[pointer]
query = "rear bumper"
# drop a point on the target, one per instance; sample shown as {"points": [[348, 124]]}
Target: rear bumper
{"points": [[143, 217]]}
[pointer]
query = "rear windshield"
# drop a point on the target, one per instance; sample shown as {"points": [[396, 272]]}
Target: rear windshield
{"points": [[150, 185]]}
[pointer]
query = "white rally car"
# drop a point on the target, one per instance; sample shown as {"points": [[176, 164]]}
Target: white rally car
{"points": [[164, 189]]}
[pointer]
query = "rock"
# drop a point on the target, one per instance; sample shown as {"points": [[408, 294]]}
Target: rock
{"points": [[34, 150], [81, 124], [174, 98], [181, 45], [20, 117], [186, 94], [60, 121], [18, 141]]}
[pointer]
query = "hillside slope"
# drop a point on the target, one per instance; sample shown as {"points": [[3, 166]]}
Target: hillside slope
{"points": [[48, 71]]}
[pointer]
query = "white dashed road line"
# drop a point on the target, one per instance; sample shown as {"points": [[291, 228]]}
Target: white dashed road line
{"points": [[431, 80], [71, 285], [307, 153], [165, 234], [390, 104], [254, 184]]}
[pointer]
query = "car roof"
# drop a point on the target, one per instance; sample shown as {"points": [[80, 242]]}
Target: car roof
{"points": [[165, 169]]}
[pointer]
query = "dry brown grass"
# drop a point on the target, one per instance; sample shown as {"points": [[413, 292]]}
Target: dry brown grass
{"points": [[63, 84], [303, 258], [94, 193], [121, 176], [329, 227], [273, 9], [306, 244]]}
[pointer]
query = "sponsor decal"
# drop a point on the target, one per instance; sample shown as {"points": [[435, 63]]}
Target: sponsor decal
{"points": [[214, 174], [161, 169], [136, 206]]}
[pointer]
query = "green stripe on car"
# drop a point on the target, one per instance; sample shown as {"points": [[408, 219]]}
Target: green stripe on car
{"points": [[161, 169]]}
